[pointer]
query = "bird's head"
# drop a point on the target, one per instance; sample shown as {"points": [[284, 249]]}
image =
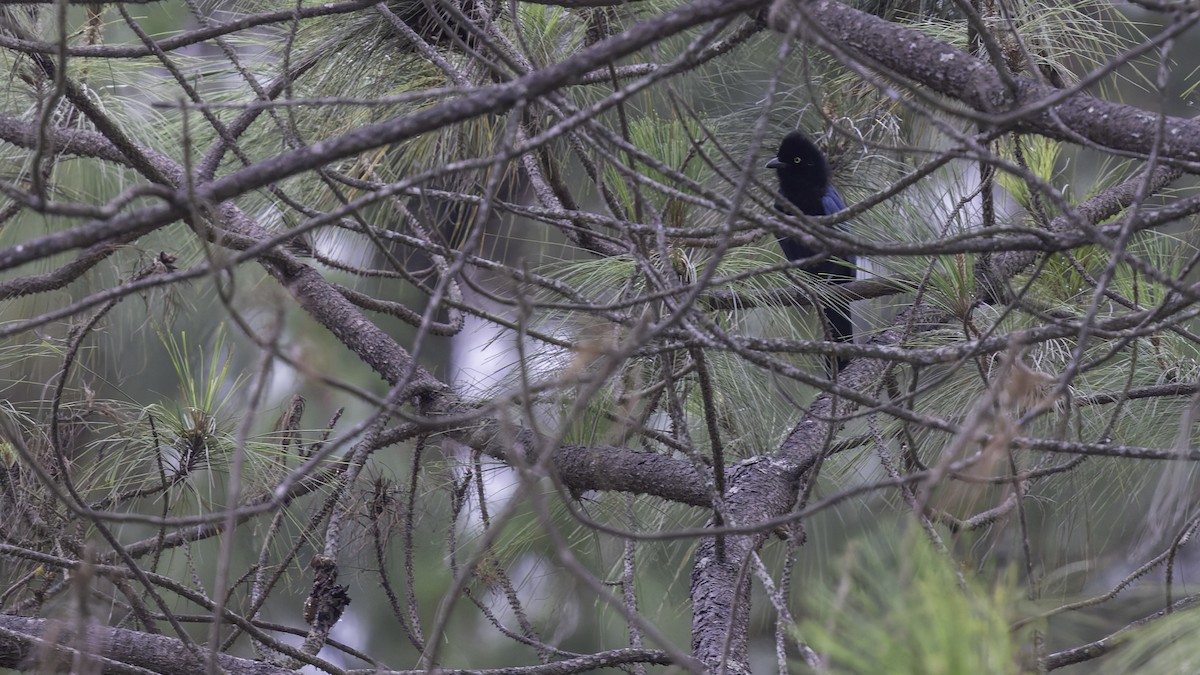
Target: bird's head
{"points": [[798, 157]]}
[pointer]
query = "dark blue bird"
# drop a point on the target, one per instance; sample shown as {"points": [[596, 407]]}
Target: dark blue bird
{"points": [[804, 182]]}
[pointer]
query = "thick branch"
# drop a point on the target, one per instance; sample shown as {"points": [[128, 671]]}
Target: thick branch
{"points": [[21, 635], [1036, 108], [599, 467]]}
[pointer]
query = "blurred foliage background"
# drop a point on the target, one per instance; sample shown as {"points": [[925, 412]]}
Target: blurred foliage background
{"points": [[171, 368]]}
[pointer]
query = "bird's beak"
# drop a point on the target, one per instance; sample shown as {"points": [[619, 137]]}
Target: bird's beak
{"points": [[774, 163]]}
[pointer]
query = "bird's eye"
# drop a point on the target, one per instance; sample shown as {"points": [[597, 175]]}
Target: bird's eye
{"points": [[796, 160]]}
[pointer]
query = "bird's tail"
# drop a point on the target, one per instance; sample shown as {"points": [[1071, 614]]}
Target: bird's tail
{"points": [[841, 329]]}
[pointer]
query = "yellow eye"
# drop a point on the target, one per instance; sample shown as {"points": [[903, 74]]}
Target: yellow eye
{"points": [[795, 160]]}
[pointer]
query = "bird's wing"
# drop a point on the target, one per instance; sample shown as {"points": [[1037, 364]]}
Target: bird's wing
{"points": [[832, 201]]}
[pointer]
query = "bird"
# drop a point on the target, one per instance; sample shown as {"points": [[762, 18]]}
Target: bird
{"points": [[804, 181]]}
